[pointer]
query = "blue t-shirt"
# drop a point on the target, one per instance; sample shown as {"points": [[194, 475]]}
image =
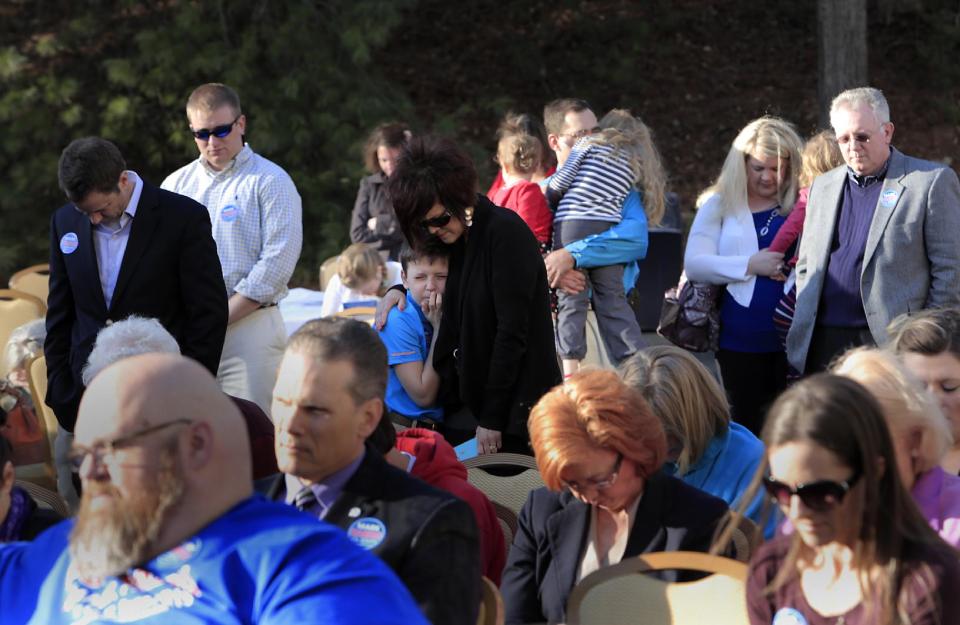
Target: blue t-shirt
{"points": [[751, 329], [261, 562], [406, 340]]}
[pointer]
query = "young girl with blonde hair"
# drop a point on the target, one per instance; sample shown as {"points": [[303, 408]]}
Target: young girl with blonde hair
{"points": [[362, 278]]}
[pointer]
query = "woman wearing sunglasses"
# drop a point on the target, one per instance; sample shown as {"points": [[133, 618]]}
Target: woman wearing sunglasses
{"points": [[860, 553], [920, 434], [494, 350], [600, 451]]}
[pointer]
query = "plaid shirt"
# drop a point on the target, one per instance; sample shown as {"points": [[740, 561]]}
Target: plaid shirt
{"points": [[255, 211]]}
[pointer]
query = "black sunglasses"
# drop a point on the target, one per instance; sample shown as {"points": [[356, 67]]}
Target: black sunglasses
{"points": [[820, 496], [437, 222], [217, 131]]}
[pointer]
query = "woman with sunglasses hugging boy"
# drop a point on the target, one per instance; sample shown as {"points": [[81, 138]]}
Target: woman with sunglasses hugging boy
{"points": [[860, 553]]}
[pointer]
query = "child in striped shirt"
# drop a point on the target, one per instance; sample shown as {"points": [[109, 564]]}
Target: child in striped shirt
{"points": [[587, 193]]}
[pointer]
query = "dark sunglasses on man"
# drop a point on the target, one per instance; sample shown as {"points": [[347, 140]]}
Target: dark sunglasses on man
{"points": [[217, 131], [821, 495]]}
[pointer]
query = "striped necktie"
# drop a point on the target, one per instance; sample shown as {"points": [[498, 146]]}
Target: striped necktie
{"points": [[305, 499]]}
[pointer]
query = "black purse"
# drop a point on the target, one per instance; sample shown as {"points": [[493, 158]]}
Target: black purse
{"points": [[690, 316]]}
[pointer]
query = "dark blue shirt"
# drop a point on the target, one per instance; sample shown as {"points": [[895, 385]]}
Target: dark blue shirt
{"points": [[841, 304], [750, 329]]}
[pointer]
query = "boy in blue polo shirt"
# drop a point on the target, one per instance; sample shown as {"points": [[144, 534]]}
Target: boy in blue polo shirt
{"points": [[410, 336]]}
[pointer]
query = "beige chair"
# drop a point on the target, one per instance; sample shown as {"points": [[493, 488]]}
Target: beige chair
{"points": [[328, 269], [510, 491], [45, 498], [360, 313], [491, 605], [622, 593], [16, 309], [43, 474], [34, 280]]}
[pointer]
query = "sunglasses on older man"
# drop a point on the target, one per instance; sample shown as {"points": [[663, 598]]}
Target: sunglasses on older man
{"points": [[437, 222], [217, 131], [821, 495]]}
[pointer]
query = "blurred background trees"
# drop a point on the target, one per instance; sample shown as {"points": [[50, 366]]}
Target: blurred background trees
{"points": [[315, 76]]}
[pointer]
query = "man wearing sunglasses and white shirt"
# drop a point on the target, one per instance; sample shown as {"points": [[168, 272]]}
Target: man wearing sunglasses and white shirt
{"points": [[255, 211]]}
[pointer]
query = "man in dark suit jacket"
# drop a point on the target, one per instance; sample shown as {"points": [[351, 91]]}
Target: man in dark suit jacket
{"points": [[327, 401], [122, 246]]}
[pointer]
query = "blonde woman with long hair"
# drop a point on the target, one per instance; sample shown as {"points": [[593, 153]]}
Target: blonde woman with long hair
{"points": [[921, 435], [738, 217], [587, 193]]}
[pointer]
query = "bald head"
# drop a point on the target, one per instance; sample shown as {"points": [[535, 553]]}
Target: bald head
{"points": [[139, 395]]}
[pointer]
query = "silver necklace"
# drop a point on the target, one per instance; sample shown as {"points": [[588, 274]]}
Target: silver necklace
{"points": [[766, 226]]}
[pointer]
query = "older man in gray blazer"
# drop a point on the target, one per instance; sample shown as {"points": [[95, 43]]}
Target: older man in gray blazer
{"points": [[880, 238]]}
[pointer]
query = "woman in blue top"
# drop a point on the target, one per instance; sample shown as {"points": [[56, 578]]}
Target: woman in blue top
{"points": [[737, 218], [704, 448]]}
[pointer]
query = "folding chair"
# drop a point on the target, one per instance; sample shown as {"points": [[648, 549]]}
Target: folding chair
{"points": [[360, 313], [510, 491], [34, 280], [491, 605], [16, 308], [624, 594]]}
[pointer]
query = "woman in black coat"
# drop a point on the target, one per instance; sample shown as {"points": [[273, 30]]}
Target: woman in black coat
{"points": [[600, 451], [373, 220], [495, 349]]}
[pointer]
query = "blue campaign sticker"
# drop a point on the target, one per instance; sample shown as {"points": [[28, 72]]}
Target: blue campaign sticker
{"points": [[789, 616], [229, 212], [69, 243], [367, 532], [888, 198]]}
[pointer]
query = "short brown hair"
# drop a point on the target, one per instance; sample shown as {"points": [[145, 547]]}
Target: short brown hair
{"points": [[213, 95], [430, 171], [594, 409], [338, 338], [555, 112], [390, 135]]}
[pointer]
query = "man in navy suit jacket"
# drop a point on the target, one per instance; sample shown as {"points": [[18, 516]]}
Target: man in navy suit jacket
{"points": [[122, 246]]}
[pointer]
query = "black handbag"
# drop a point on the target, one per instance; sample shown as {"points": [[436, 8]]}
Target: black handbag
{"points": [[690, 316]]}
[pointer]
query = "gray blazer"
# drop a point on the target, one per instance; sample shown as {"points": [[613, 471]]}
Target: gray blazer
{"points": [[912, 256]]}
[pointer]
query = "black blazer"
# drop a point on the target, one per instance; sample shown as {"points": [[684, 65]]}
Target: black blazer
{"points": [[431, 539], [552, 533], [372, 201], [170, 271], [495, 344]]}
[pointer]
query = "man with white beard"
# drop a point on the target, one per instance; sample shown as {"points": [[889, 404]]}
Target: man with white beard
{"points": [[168, 530]]}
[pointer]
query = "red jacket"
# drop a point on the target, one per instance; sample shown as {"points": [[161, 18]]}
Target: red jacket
{"points": [[527, 200], [438, 466], [792, 228]]}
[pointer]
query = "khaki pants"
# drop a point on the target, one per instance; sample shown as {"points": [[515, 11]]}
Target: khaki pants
{"points": [[251, 356]]}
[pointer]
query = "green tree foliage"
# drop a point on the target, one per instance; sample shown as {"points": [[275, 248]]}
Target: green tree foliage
{"points": [[123, 70]]}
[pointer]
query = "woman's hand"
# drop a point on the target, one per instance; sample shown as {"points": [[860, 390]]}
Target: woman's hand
{"points": [[765, 263], [558, 262], [390, 299], [488, 441], [431, 306]]}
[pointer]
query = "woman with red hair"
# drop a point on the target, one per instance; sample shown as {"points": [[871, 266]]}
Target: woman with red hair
{"points": [[600, 450]]}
